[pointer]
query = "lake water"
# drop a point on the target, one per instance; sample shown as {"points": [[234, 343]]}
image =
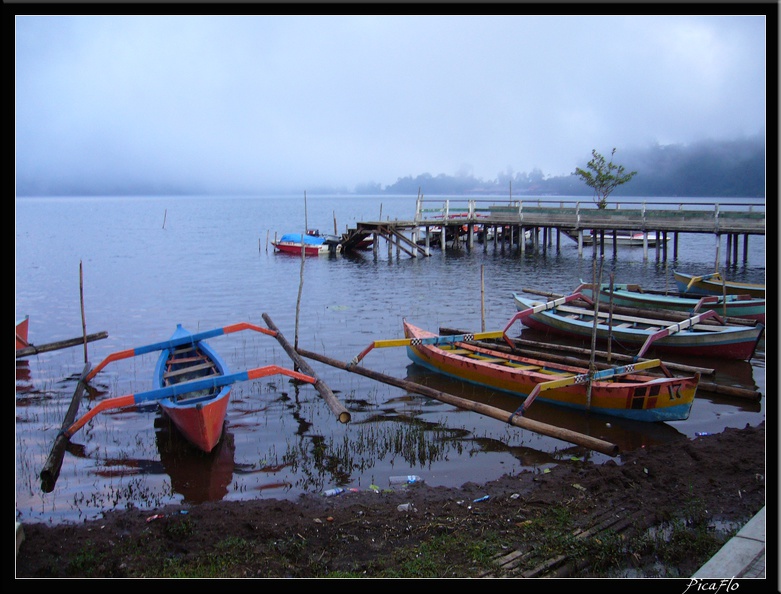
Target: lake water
{"points": [[151, 263]]}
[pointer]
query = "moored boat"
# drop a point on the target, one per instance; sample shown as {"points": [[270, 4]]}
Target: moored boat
{"points": [[191, 384], [629, 295], [312, 243], [625, 238], [199, 415], [702, 335], [715, 284], [621, 392], [22, 327]]}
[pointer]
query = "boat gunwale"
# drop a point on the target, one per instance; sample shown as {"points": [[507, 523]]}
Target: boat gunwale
{"points": [[606, 399], [622, 382]]}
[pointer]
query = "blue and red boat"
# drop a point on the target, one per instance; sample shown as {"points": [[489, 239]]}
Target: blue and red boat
{"points": [[191, 383]]}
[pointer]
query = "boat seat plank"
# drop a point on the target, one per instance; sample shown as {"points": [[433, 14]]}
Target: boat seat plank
{"points": [[457, 351], [705, 327], [623, 318], [490, 359], [189, 369], [522, 366], [193, 397], [183, 349], [194, 359]]}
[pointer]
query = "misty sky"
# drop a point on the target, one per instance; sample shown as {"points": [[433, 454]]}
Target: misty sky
{"points": [[250, 104]]}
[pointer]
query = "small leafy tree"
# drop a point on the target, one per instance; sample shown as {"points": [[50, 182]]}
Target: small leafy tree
{"points": [[605, 178]]}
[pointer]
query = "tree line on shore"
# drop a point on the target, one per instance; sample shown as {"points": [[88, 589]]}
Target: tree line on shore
{"points": [[709, 169]]}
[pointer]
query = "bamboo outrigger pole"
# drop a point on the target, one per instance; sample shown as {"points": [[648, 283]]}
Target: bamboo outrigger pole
{"points": [[34, 349], [336, 407], [51, 469], [587, 441]]}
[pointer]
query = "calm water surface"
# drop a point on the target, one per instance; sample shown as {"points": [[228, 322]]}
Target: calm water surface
{"points": [[151, 263]]}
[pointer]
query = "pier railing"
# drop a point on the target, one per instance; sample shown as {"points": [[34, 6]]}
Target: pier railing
{"points": [[727, 217]]}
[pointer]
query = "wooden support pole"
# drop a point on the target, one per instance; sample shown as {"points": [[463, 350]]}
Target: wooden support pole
{"points": [[51, 470], [83, 320], [580, 439], [336, 407]]}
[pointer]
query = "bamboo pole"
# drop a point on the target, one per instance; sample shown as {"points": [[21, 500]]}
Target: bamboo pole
{"points": [[482, 298], [62, 344], [336, 407], [83, 320], [51, 469], [610, 317], [580, 439], [301, 273]]}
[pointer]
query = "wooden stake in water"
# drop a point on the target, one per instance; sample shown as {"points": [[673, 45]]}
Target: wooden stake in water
{"points": [[301, 274], [83, 321], [718, 246], [482, 297]]}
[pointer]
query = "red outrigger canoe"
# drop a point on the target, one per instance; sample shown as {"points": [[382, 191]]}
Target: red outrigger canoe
{"points": [[191, 384], [22, 326]]}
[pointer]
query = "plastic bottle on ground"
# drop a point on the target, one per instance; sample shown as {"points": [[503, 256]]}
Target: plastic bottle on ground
{"points": [[405, 480]]}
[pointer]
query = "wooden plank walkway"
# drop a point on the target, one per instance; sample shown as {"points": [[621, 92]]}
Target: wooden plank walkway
{"points": [[510, 219]]}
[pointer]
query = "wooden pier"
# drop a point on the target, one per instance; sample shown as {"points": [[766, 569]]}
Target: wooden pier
{"points": [[463, 221]]}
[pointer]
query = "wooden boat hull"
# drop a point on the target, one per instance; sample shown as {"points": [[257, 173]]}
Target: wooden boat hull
{"points": [[199, 416], [690, 285], [22, 326], [727, 342], [637, 397], [737, 306], [313, 244], [629, 240], [295, 248]]}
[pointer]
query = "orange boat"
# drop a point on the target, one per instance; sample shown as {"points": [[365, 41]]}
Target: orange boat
{"points": [[616, 391], [619, 391], [22, 326], [191, 384]]}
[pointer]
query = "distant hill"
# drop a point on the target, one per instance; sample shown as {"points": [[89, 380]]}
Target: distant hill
{"points": [[709, 169]]}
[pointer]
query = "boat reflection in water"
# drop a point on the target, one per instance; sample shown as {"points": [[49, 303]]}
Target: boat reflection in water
{"points": [[626, 434], [24, 382], [196, 475]]}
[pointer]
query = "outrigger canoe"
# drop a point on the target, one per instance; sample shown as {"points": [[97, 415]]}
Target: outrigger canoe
{"points": [[702, 335], [22, 326], [191, 384], [618, 392], [630, 295], [715, 284]]}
